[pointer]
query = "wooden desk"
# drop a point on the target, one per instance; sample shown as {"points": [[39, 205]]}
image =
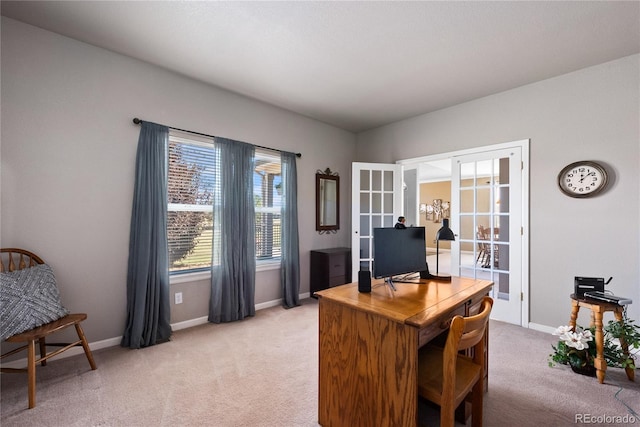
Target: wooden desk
{"points": [[368, 346]]}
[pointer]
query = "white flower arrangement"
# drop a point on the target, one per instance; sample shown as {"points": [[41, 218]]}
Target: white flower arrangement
{"points": [[576, 348], [578, 339]]}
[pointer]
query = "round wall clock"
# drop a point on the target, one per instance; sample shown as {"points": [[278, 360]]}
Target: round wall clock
{"points": [[582, 179]]}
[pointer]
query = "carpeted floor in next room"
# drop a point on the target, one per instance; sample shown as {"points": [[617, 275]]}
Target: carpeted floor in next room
{"points": [[263, 372]]}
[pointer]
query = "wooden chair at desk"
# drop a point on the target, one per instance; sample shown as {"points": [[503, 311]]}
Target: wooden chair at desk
{"points": [[446, 376]]}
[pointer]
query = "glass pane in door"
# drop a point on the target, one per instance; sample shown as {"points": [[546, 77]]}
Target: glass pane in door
{"points": [[484, 222], [377, 189]]}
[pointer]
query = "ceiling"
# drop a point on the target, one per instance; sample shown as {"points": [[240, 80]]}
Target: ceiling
{"points": [[355, 65]]}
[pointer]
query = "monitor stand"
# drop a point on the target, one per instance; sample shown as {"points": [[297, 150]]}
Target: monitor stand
{"points": [[407, 278], [389, 282]]}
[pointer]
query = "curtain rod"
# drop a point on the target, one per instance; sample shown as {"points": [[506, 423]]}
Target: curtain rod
{"points": [[138, 121]]}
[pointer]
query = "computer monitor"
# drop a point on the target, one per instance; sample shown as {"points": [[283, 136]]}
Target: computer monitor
{"points": [[398, 251]]}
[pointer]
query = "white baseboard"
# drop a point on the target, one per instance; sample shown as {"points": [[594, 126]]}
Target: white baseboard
{"points": [[112, 342], [541, 328], [189, 323]]}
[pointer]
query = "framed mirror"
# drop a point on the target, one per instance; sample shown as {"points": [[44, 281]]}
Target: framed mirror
{"points": [[327, 201]]}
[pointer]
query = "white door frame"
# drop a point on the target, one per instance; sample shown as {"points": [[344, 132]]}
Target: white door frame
{"points": [[524, 145]]}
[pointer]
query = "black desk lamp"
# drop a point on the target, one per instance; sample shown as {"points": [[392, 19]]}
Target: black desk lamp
{"points": [[444, 233]]}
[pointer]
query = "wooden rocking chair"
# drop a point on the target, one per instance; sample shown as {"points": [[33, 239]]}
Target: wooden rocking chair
{"points": [[19, 259]]}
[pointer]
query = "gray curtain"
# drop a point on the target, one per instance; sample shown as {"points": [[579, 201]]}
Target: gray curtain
{"points": [[233, 278], [148, 309], [290, 267]]}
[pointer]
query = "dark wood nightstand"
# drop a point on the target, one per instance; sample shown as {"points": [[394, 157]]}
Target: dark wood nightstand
{"points": [[329, 267]]}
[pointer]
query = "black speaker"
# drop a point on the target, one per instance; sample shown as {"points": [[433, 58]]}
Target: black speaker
{"points": [[364, 281]]}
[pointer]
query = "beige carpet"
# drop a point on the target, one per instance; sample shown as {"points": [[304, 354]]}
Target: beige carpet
{"points": [[263, 372]]}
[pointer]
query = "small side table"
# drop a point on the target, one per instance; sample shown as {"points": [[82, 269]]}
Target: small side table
{"points": [[598, 308]]}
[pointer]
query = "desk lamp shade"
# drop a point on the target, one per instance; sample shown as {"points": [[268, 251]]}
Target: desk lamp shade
{"points": [[444, 233]]}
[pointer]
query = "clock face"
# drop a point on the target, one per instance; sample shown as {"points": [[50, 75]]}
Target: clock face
{"points": [[582, 179]]}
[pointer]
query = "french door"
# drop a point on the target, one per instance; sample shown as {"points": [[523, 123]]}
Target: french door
{"points": [[489, 189], [376, 194], [488, 192], [486, 214]]}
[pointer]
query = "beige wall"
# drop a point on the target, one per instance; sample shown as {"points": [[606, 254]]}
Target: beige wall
{"points": [[429, 192]]}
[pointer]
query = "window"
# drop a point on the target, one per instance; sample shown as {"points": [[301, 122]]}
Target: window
{"points": [[267, 192], [193, 188], [193, 166]]}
